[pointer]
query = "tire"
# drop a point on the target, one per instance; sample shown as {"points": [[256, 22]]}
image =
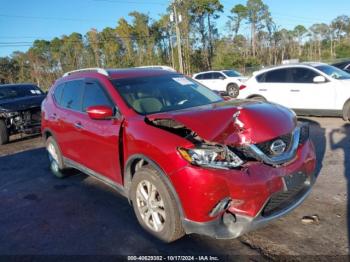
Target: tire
{"points": [[4, 134], [55, 158], [232, 90], [169, 227], [258, 98], [346, 111]]}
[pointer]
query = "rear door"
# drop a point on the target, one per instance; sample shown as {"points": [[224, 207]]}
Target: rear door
{"points": [[100, 138], [68, 115], [274, 86], [205, 79]]}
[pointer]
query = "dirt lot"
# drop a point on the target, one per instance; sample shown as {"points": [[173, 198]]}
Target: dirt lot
{"points": [[79, 215]]}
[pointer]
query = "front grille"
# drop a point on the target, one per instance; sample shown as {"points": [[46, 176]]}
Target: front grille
{"points": [[282, 200], [265, 146]]}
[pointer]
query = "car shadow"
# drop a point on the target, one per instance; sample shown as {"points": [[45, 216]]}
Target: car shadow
{"points": [[344, 144], [44, 215], [318, 137]]}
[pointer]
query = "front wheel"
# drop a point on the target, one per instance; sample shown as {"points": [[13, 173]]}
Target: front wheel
{"points": [[233, 90], [155, 206]]}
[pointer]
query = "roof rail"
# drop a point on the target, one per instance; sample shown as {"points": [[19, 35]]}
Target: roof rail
{"points": [[96, 69]]}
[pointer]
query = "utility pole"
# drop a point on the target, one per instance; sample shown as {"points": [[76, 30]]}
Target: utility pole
{"points": [[178, 37]]}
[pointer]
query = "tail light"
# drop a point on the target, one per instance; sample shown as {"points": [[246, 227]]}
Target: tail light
{"points": [[242, 87]]}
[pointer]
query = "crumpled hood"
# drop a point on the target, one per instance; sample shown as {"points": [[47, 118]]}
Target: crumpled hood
{"points": [[22, 103], [256, 121]]}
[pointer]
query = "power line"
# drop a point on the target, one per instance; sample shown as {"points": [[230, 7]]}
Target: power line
{"points": [[132, 2], [54, 18]]}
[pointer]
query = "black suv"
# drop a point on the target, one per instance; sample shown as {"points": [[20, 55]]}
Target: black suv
{"points": [[20, 110]]}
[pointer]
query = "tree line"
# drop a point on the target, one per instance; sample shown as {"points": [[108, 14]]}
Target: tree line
{"points": [[148, 41]]}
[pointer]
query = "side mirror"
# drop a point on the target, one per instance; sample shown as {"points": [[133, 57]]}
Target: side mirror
{"points": [[222, 77], [100, 112], [319, 79]]}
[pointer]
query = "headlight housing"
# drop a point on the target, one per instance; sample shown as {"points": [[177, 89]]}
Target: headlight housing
{"points": [[214, 156], [304, 133]]}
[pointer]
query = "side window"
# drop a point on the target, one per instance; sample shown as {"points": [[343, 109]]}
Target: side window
{"points": [[72, 94], [276, 76], [199, 76], [95, 96], [217, 75], [206, 76], [57, 94], [260, 78], [302, 75]]}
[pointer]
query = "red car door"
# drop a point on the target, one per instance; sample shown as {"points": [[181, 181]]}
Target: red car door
{"points": [[68, 115], [99, 139]]}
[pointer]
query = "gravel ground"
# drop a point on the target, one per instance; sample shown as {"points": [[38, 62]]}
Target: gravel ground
{"points": [[42, 215]]}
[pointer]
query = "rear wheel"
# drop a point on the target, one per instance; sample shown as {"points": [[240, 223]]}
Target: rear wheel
{"points": [[55, 158], [4, 135], [155, 206], [233, 90]]}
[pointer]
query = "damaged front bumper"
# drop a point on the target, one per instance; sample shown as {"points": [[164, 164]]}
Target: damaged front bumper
{"points": [[23, 121], [230, 225]]}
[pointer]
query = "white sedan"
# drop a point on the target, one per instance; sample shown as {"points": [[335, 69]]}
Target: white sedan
{"points": [[308, 88], [225, 81]]}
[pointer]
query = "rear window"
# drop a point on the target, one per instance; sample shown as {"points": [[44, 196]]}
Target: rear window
{"points": [[156, 94], [72, 94], [18, 91]]}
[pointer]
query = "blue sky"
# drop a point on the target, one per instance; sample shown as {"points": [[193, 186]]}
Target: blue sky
{"points": [[25, 20]]}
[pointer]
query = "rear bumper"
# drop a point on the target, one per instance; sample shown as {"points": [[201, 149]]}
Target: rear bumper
{"points": [[230, 225]]}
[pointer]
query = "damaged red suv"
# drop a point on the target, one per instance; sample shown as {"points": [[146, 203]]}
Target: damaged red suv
{"points": [[188, 161]]}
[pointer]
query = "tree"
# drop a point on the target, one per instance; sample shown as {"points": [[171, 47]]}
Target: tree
{"points": [[257, 13], [240, 13]]}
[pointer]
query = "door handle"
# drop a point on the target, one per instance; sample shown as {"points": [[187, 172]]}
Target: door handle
{"points": [[263, 89], [295, 90], [78, 125]]}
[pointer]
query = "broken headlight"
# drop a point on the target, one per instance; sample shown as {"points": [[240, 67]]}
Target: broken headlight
{"points": [[211, 156]]}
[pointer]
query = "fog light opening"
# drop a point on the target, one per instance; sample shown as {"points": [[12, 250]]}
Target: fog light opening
{"points": [[220, 207], [229, 218]]}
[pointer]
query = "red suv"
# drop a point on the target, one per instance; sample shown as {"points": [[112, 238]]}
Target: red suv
{"points": [[188, 161]]}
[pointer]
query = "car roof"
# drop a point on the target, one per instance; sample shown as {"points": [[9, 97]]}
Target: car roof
{"points": [[138, 72], [305, 64], [115, 73], [213, 71], [18, 84]]}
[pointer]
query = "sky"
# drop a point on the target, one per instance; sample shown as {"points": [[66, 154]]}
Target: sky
{"points": [[22, 21]]}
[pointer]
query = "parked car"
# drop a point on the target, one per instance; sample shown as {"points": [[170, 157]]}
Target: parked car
{"points": [[225, 81], [345, 65], [188, 161], [19, 110], [308, 88]]}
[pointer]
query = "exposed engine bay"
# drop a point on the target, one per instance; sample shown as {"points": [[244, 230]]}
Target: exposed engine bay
{"points": [[23, 121]]}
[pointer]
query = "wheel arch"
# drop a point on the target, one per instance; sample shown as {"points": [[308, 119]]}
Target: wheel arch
{"points": [[138, 160], [255, 95]]}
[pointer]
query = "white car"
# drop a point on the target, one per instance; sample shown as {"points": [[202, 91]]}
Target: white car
{"points": [[308, 88], [226, 81]]}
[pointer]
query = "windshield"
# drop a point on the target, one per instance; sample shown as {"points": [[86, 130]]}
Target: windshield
{"points": [[18, 91], [164, 93], [334, 72], [231, 73]]}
